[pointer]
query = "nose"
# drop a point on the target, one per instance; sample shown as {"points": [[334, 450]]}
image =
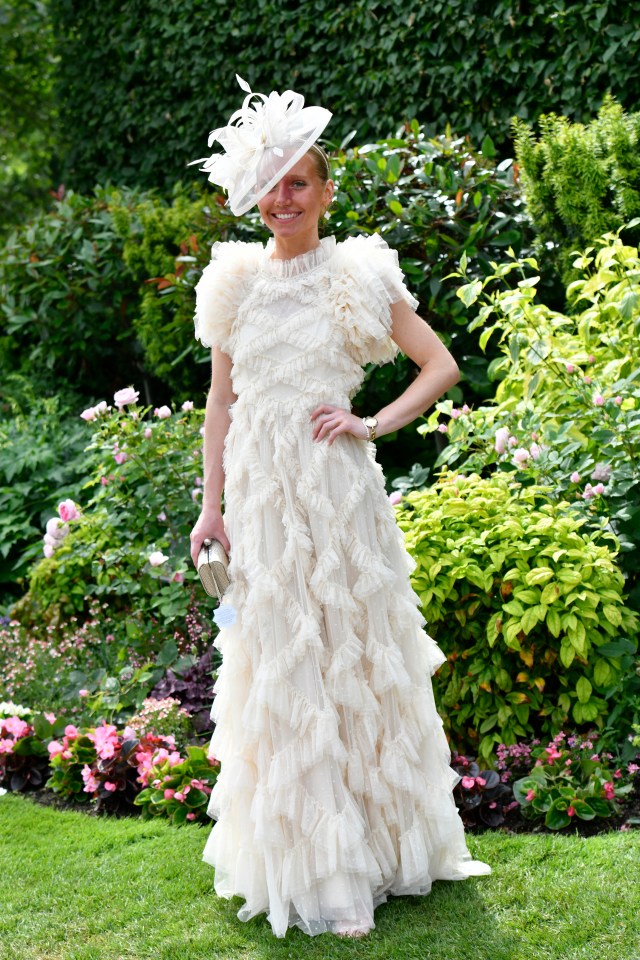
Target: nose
{"points": [[283, 193]]}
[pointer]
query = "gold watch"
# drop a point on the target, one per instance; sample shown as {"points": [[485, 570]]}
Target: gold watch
{"points": [[372, 425]]}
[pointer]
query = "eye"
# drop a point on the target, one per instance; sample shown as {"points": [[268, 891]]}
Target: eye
{"points": [[299, 183]]}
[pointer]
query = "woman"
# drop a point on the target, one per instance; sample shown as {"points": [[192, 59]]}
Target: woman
{"points": [[335, 785]]}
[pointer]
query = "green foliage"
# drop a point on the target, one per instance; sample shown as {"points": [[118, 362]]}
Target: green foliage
{"points": [[137, 100], [41, 464], [521, 597], [580, 181], [569, 780], [26, 109], [569, 383], [67, 304]]}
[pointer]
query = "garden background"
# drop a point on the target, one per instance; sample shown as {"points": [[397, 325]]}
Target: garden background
{"points": [[495, 146]]}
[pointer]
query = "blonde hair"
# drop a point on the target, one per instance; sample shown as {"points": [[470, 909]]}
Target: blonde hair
{"points": [[321, 162]]}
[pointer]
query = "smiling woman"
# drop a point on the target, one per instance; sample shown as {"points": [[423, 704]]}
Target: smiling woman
{"points": [[335, 789]]}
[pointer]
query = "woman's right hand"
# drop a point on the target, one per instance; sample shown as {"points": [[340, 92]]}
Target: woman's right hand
{"points": [[209, 524]]}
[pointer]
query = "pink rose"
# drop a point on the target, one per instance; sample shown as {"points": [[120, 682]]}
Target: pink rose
{"points": [[617, 400], [104, 481], [122, 397], [56, 528], [591, 358], [68, 510], [101, 408], [88, 414], [157, 558], [465, 408], [395, 497], [575, 477], [520, 456], [501, 438], [587, 380], [162, 412], [83, 693], [442, 428], [598, 400], [598, 489], [569, 368], [588, 492], [455, 413], [48, 551], [187, 405], [535, 450], [148, 433], [178, 577]]}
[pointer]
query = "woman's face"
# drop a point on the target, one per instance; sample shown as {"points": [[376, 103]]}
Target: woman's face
{"points": [[292, 208]]}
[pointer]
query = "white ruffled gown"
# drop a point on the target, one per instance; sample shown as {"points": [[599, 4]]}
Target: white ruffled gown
{"points": [[335, 788]]}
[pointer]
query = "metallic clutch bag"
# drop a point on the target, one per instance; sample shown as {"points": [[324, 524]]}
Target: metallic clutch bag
{"points": [[212, 568]]}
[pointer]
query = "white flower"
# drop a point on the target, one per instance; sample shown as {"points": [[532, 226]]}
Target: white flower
{"points": [[157, 558], [162, 412], [520, 456], [122, 397], [187, 405], [502, 436]]}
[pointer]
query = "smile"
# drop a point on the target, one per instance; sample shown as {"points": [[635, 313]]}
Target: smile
{"points": [[285, 216]]}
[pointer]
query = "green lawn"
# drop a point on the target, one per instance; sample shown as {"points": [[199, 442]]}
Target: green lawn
{"points": [[74, 887]]}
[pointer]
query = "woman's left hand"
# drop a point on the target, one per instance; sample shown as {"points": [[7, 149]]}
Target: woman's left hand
{"points": [[330, 421]]}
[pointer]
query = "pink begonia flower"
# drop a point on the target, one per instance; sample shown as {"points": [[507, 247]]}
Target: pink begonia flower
{"points": [[520, 456], [108, 785], [608, 790], [552, 753], [568, 762], [129, 733], [169, 793], [68, 510], [617, 774], [105, 740], [16, 726], [617, 400], [442, 427], [148, 433], [598, 489], [90, 782], [468, 783], [179, 797], [575, 477], [455, 413], [70, 731], [54, 748], [395, 497], [51, 717], [104, 481], [481, 781], [569, 368], [598, 400], [157, 558], [571, 811], [587, 380], [531, 794], [197, 784], [191, 815], [178, 577], [83, 693], [122, 397], [162, 412], [120, 456], [595, 758], [48, 551], [187, 405], [601, 471], [632, 768], [6, 746], [88, 414], [466, 408], [501, 438]]}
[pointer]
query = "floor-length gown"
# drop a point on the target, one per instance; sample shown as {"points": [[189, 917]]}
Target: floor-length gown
{"points": [[335, 788]]}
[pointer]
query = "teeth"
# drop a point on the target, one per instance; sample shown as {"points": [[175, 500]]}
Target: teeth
{"points": [[285, 216]]}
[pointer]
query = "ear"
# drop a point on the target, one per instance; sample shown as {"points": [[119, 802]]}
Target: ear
{"points": [[328, 192]]}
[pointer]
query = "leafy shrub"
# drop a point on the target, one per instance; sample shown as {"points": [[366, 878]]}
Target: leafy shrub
{"points": [[24, 760], [42, 462], [521, 598], [179, 791], [580, 181], [567, 407], [164, 718], [569, 780]]}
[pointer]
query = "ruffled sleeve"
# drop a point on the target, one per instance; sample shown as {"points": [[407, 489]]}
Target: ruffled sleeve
{"points": [[368, 281], [221, 289]]}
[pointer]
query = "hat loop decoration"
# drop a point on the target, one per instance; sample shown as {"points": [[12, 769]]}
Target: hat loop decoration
{"points": [[262, 141]]}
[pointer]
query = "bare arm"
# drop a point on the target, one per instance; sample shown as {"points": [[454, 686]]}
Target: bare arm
{"points": [[216, 425], [438, 372]]}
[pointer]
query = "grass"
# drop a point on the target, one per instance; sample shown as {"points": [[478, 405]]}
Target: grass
{"points": [[74, 887]]}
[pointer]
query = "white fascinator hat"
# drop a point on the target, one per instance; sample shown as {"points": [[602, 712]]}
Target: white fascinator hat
{"points": [[262, 141]]}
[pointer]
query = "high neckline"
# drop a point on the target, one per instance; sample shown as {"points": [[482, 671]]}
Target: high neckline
{"points": [[303, 263]]}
